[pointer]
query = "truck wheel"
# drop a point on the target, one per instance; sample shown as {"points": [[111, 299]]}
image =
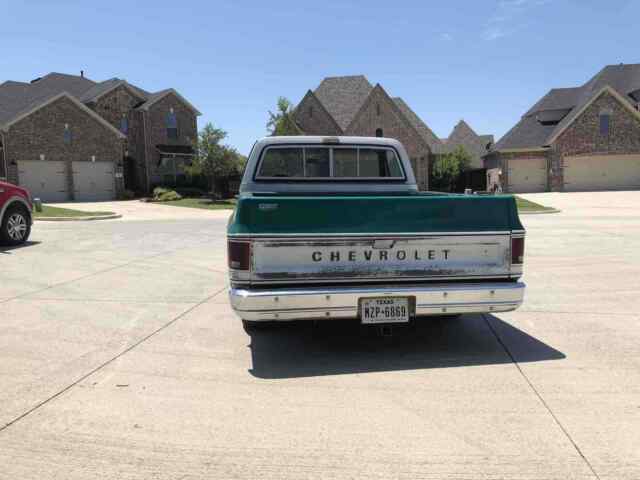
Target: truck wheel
{"points": [[16, 225]]}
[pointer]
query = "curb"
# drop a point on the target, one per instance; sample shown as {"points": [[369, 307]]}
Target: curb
{"points": [[78, 219], [540, 212]]}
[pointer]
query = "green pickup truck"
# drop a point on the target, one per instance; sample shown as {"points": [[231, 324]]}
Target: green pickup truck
{"points": [[335, 228]]}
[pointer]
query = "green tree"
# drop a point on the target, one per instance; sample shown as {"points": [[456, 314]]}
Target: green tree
{"points": [[214, 159], [448, 167], [282, 122]]}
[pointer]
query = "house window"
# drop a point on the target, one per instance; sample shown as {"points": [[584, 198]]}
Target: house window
{"points": [[124, 125], [377, 109], [67, 134], [379, 132], [172, 125], [605, 123], [310, 112]]}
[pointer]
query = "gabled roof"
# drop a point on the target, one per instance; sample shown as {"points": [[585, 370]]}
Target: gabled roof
{"points": [[52, 98], [567, 103], [463, 135], [313, 95], [425, 132], [576, 112], [18, 97], [102, 88], [154, 97], [15, 97], [342, 97]]}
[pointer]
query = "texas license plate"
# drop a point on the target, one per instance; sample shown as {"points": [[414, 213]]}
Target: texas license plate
{"points": [[384, 310]]}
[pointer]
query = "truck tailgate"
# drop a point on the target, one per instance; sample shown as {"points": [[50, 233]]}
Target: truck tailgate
{"points": [[413, 237], [367, 259]]}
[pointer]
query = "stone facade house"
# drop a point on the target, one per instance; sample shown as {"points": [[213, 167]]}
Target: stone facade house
{"points": [[350, 105], [66, 137], [575, 139]]}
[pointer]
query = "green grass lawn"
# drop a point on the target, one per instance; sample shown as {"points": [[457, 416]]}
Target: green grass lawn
{"points": [[48, 211], [528, 206], [203, 203]]}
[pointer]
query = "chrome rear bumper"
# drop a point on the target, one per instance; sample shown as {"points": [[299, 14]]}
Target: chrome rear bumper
{"points": [[315, 303]]}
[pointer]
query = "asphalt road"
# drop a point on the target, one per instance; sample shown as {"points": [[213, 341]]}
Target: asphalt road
{"points": [[120, 358]]}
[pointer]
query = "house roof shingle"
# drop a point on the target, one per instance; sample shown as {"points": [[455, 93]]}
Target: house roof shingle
{"points": [[342, 97], [463, 135], [19, 97], [101, 88], [530, 133], [425, 132]]}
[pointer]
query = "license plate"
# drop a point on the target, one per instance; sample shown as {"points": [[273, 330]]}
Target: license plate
{"points": [[384, 310]]}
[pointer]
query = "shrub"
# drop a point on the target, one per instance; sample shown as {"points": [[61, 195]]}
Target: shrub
{"points": [[165, 195]]}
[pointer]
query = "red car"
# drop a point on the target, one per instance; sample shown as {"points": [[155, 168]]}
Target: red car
{"points": [[15, 214]]}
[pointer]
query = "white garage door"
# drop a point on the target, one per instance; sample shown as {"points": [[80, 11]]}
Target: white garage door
{"points": [[602, 172], [93, 181], [527, 175], [46, 180]]}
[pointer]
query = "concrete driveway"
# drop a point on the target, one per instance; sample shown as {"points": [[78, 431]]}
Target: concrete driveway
{"points": [[120, 358]]}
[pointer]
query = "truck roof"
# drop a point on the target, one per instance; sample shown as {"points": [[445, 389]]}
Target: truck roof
{"points": [[330, 140], [327, 185]]}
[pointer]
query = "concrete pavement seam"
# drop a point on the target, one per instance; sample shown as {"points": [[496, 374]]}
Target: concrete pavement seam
{"points": [[111, 360], [542, 400], [89, 275]]}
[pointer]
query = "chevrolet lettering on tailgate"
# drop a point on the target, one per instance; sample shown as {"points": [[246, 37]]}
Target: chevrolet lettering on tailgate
{"points": [[381, 255], [335, 227]]}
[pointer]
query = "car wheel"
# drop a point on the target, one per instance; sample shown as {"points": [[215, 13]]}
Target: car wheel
{"points": [[16, 225]]}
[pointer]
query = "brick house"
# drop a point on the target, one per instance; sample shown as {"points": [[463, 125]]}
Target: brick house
{"points": [[66, 137], [350, 105], [575, 139]]}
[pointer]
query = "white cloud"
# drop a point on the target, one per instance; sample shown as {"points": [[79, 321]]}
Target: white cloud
{"points": [[446, 36], [508, 17]]}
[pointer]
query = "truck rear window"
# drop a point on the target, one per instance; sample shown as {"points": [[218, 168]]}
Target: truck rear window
{"points": [[342, 163]]}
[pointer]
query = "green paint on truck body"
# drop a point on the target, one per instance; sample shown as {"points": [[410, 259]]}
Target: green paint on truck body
{"points": [[408, 213]]}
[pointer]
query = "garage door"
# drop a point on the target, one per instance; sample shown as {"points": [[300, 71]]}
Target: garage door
{"points": [[602, 172], [93, 181], [527, 175], [46, 180]]}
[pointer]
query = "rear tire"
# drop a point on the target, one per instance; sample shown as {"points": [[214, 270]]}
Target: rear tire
{"points": [[16, 226]]}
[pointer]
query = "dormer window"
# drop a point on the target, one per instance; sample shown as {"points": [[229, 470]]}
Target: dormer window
{"points": [[551, 117], [172, 125]]}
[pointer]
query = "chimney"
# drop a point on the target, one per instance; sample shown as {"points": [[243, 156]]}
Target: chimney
{"points": [[82, 73]]}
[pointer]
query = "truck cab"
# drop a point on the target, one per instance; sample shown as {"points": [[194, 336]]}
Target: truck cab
{"points": [[334, 228]]}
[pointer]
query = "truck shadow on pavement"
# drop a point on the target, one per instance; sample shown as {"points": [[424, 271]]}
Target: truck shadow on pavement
{"points": [[300, 349], [6, 249]]}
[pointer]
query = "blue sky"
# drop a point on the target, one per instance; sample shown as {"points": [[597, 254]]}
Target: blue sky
{"points": [[485, 61]]}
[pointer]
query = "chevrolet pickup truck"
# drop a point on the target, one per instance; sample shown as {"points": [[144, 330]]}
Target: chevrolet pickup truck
{"points": [[335, 228]]}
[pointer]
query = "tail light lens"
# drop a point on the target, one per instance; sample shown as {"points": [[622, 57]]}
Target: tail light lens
{"points": [[239, 254], [517, 250]]}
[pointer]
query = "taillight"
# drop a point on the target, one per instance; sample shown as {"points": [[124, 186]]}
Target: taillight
{"points": [[517, 250], [239, 255]]}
